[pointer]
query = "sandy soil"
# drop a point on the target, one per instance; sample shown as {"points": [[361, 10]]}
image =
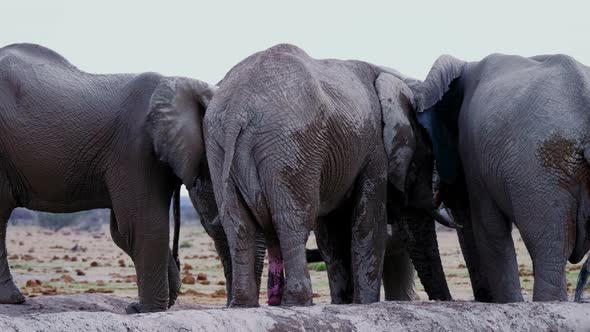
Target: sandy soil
{"points": [[71, 262], [102, 312]]}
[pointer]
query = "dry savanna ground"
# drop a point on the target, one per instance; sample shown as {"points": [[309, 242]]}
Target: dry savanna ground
{"points": [[44, 262]]}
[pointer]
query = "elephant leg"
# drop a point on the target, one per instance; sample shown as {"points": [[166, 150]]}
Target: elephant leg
{"points": [[173, 273], [240, 230], [293, 227], [496, 250], [333, 237], [369, 232], [548, 240], [455, 198], [276, 276], [398, 271], [9, 292], [145, 229]]}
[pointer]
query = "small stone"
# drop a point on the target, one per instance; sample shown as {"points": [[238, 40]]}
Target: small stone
{"points": [[220, 293], [33, 283], [67, 278], [188, 279], [202, 276]]}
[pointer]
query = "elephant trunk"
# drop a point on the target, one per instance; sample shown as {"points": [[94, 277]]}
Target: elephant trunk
{"points": [[422, 247], [173, 281]]}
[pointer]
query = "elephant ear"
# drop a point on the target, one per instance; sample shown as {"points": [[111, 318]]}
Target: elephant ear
{"points": [[397, 101], [443, 72], [174, 122], [438, 105]]}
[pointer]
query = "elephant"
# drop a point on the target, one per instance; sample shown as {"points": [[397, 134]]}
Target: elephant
{"points": [[510, 138], [295, 144], [74, 141]]}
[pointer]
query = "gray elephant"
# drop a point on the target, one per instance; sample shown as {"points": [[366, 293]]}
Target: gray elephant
{"points": [[74, 141], [510, 136], [295, 143]]}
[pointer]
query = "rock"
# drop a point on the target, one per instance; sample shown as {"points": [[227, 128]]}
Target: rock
{"points": [[202, 276], [188, 279], [99, 290], [94, 264], [33, 283], [80, 273], [121, 263], [220, 293], [192, 292]]}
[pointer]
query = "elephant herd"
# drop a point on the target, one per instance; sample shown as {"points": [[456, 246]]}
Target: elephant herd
{"points": [[287, 144]]}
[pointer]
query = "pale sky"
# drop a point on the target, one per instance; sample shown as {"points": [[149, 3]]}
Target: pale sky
{"points": [[205, 39]]}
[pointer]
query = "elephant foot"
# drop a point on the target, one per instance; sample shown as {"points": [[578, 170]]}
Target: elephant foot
{"points": [[299, 294], [138, 308], [235, 304], [274, 299], [10, 294], [292, 303], [133, 308]]}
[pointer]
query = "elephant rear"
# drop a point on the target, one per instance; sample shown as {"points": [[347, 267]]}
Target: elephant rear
{"points": [[295, 138]]}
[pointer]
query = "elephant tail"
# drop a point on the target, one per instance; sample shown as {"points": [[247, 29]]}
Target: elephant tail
{"points": [[176, 214], [232, 131]]}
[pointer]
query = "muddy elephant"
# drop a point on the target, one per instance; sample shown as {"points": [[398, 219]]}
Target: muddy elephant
{"points": [[510, 136], [294, 142], [74, 141]]}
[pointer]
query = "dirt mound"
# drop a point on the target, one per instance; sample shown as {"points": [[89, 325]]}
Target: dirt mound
{"points": [[105, 313]]}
